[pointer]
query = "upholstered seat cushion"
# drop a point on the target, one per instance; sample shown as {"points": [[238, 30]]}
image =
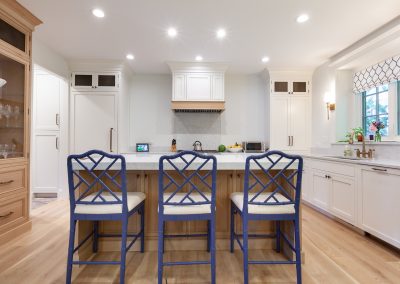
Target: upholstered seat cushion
{"points": [[237, 198], [133, 200], [187, 209]]}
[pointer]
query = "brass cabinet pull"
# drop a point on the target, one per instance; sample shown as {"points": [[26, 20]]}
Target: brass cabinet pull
{"points": [[111, 130], [6, 182], [7, 215], [57, 119], [57, 143]]}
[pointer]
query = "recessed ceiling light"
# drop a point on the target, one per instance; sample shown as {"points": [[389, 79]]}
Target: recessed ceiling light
{"points": [[265, 59], [172, 32], [302, 18], [199, 58], [130, 56], [221, 33], [98, 13]]}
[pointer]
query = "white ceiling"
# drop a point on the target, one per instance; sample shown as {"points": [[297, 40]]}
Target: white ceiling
{"points": [[255, 28]]}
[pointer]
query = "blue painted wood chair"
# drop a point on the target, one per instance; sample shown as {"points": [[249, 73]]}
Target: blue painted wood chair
{"points": [[101, 195], [269, 196], [184, 200]]}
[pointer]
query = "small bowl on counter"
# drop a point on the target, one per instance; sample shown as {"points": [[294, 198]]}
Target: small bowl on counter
{"points": [[234, 150]]}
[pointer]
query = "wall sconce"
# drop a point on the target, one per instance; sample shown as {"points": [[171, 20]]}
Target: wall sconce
{"points": [[330, 103], [2, 82]]}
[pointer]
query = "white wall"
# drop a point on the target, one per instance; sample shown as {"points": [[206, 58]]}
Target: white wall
{"points": [[152, 120], [45, 57]]}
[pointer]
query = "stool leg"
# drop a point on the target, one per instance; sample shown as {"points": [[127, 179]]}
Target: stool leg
{"points": [[298, 249], [95, 236], [213, 252], [232, 228], [142, 229], [208, 235], [160, 248], [278, 236], [70, 249], [123, 249], [163, 246], [245, 250]]}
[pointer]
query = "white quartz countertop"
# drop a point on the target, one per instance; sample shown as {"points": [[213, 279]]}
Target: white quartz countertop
{"points": [[394, 164], [150, 161]]}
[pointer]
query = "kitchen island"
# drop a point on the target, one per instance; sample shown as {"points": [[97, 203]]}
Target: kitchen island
{"points": [[142, 176]]}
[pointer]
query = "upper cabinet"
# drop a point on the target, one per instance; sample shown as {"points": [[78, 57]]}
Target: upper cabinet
{"points": [[198, 82], [290, 83], [83, 81]]}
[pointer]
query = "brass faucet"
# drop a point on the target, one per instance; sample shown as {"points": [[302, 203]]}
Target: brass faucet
{"points": [[364, 153]]}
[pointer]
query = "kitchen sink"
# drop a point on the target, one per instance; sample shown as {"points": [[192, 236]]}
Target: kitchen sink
{"points": [[348, 158]]}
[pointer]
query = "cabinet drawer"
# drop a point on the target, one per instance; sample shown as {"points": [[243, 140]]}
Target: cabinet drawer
{"points": [[12, 179], [337, 168], [12, 211]]}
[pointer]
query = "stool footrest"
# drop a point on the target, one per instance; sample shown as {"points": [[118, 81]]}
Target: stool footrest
{"points": [[271, 262], [97, 262], [185, 236], [185, 263]]}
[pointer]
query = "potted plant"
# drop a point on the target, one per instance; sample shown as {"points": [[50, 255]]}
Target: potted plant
{"points": [[358, 133]]}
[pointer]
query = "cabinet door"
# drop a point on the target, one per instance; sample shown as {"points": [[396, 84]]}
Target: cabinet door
{"points": [[95, 124], [83, 81], [280, 87], [198, 87], [343, 198], [299, 87], [106, 81], [46, 161], [279, 127], [306, 185], [47, 102], [299, 123], [380, 208], [218, 87], [179, 87], [321, 190]]}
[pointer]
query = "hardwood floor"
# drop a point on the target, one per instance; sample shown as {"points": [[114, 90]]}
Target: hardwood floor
{"points": [[334, 254]]}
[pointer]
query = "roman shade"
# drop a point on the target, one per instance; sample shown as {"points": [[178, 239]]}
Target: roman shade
{"points": [[379, 74]]}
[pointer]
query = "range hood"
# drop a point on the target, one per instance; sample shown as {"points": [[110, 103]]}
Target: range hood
{"points": [[207, 106], [198, 87]]}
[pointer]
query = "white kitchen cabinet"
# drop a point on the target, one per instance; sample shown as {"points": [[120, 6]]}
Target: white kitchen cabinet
{"points": [[179, 87], [321, 189], [379, 196], [343, 193], [290, 123], [306, 186], [290, 83], [218, 87], [94, 121], [198, 87], [87, 81]]}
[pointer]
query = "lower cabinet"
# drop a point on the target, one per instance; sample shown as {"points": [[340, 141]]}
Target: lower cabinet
{"points": [[330, 191], [379, 208]]}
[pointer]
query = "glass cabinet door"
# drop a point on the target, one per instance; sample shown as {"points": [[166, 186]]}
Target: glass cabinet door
{"points": [[299, 87], [12, 100], [281, 87]]}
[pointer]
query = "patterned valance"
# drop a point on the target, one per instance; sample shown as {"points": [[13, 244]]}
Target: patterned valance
{"points": [[382, 73]]}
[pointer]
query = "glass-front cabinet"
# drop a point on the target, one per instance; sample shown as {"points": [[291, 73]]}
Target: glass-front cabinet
{"points": [[295, 87], [13, 75], [83, 81]]}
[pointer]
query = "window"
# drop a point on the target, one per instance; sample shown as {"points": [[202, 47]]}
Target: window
{"points": [[376, 108]]}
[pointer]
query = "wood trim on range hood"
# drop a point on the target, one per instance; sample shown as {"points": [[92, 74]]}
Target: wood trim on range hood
{"points": [[187, 106]]}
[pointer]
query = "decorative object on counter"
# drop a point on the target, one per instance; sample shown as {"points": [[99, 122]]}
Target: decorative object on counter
{"points": [[221, 148], [173, 145], [142, 147], [377, 126], [347, 151], [235, 148], [197, 146], [350, 137], [359, 133], [371, 137]]}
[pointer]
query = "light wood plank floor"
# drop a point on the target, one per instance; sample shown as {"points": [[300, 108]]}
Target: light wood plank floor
{"points": [[334, 254]]}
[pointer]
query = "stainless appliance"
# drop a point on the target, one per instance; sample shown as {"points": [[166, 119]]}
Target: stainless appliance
{"points": [[254, 147]]}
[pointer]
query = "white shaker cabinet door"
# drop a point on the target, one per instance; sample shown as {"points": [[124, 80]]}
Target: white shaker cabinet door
{"points": [[299, 122], [306, 185], [343, 198], [46, 102], [321, 185], [218, 87], [95, 122], [179, 87], [380, 210], [198, 87], [279, 123]]}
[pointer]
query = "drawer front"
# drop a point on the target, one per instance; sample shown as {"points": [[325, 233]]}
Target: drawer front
{"points": [[337, 168], [12, 212], [12, 179]]}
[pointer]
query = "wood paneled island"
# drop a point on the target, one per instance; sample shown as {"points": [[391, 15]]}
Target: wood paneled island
{"points": [[142, 176]]}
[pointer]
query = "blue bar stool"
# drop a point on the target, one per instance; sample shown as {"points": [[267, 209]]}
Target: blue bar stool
{"points": [[184, 200], [102, 196], [276, 198]]}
